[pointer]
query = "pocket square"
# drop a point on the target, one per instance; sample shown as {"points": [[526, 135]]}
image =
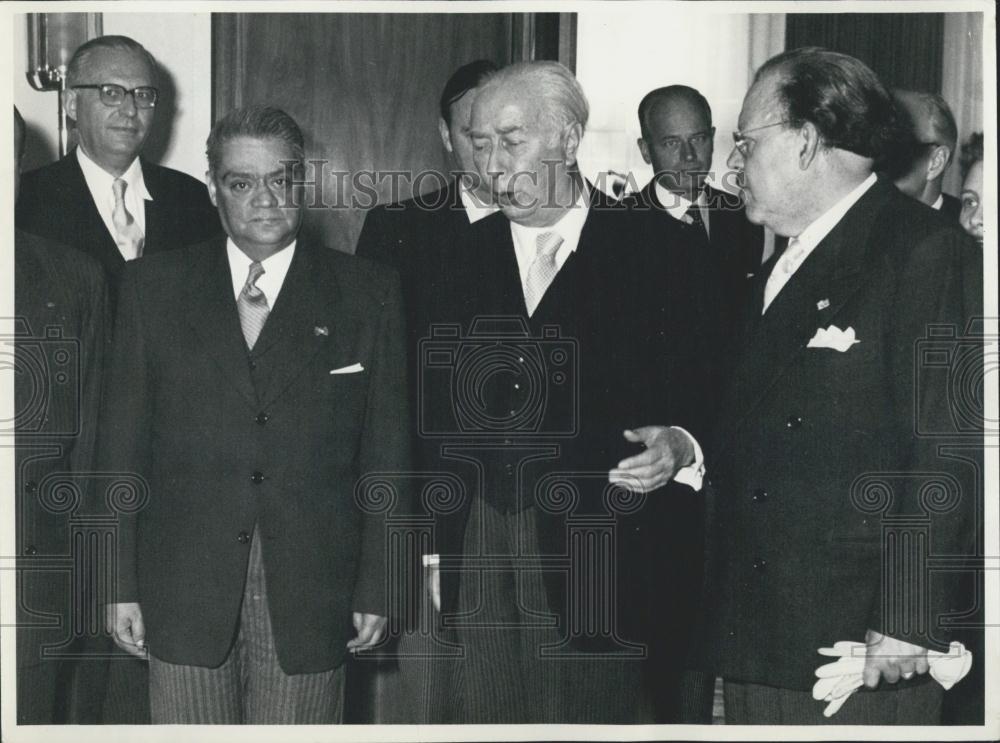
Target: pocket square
{"points": [[352, 369], [833, 337]]}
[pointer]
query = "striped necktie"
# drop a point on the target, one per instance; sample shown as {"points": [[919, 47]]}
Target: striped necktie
{"points": [[128, 237], [542, 270], [252, 306]]}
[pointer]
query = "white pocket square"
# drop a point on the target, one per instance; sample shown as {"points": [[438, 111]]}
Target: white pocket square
{"points": [[833, 337], [352, 369]]}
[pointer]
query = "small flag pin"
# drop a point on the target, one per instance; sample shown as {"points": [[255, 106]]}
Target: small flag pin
{"points": [[321, 330]]}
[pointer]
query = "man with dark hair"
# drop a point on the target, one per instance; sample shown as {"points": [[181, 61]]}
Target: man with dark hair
{"points": [[926, 150], [60, 300], [257, 380], [818, 465], [103, 198], [678, 141]]}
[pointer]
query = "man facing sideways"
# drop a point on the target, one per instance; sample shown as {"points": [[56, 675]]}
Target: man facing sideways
{"points": [[60, 300], [678, 141], [564, 350], [926, 150], [257, 379], [822, 447], [103, 198]]}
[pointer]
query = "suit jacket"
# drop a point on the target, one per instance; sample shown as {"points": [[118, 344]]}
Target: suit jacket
{"points": [[614, 344], [225, 440], [820, 453], [55, 203], [951, 207], [733, 249], [60, 332]]}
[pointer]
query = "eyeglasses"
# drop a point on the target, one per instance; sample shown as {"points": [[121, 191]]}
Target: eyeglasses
{"points": [[112, 95], [742, 143]]}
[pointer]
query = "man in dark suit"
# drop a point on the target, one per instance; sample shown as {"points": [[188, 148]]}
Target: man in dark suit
{"points": [[103, 198], [678, 141], [60, 300], [930, 136], [257, 379], [836, 427], [560, 332]]}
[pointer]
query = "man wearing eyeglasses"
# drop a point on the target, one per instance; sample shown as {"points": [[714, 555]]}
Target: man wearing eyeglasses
{"points": [[835, 451], [677, 140], [103, 198]]}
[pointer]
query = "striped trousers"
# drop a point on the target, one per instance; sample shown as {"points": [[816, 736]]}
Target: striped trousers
{"points": [[249, 687]]}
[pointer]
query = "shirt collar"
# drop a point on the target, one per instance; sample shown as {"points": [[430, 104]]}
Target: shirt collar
{"points": [[275, 270], [474, 208], [674, 204], [812, 235], [99, 180], [939, 203], [569, 226]]}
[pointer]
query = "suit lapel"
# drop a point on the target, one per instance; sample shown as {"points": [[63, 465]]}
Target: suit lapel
{"points": [[294, 331], [80, 210], [211, 312], [832, 273], [156, 226]]}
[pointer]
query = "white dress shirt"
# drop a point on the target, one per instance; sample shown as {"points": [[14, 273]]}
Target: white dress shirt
{"points": [[569, 227], [474, 208], [939, 203], [275, 270], [99, 182], [807, 240], [677, 206]]}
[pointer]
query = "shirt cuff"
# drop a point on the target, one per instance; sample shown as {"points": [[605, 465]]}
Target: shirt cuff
{"points": [[694, 473]]}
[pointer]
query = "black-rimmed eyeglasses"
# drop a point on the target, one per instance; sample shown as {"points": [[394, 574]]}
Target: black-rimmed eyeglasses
{"points": [[742, 143], [145, 96]]}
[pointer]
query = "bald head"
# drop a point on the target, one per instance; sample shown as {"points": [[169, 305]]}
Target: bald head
{"points": [[677, 138]]}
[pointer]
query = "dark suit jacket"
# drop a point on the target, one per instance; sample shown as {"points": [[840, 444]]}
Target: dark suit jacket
{"points": [[225, 440], [818, 451], [60, 332], [734, 247], [951, 207], [614, 344], [55, 203]]}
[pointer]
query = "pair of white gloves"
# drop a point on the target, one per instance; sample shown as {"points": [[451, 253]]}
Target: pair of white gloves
{"points": [[838, 680]]}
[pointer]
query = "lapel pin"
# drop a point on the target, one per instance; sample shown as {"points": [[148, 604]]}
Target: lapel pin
{"points": [[321, 330], [822, 304]]}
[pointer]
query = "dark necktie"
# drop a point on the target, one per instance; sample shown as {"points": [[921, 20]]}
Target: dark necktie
{"points": [[695, 219]]}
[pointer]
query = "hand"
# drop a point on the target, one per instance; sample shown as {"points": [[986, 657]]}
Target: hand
{"points": [[889, 658], [370, 628], [667, 451], [124, 624], [434, 585]]}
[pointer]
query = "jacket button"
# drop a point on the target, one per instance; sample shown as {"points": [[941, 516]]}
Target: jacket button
{"points": [[262, 418], [30, 487], [252, 365], [31, 550], [759, 495], [257, 478], [759, 564], [793, 422], [242, 537]]}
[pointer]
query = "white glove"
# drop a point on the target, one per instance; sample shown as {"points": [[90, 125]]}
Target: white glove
{"points": [[838, 680]]}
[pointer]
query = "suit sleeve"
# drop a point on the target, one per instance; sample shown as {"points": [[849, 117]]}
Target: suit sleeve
{"points": [[940, 290], [385, 446], [124, 438]]}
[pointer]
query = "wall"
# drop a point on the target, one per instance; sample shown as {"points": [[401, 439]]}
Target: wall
{"points": [[181, 42]]}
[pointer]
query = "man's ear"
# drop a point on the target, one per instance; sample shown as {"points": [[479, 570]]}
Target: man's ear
{"points": [[938, 162], [809, 144], [571, 143], [210, 182], [644, 150], [69, 102], [445, 135]]}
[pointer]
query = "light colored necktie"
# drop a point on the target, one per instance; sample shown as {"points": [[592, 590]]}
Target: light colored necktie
{"points": [[782, 271], [542, 270], [252, 306], [129, 237]]}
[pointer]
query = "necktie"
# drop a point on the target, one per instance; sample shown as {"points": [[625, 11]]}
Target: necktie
{"points": [[782, 271], [252, 305], [542, 270], [129, 237], [694, 215]]}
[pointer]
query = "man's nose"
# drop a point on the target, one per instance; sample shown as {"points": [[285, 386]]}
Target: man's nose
{"points": [[265, 197], [128, 107], [735, 159], [687, 151]]}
